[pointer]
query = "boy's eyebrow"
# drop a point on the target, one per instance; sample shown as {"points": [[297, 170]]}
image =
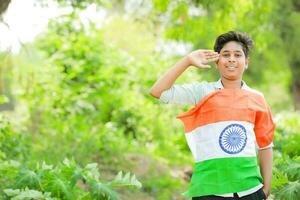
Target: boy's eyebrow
{"points": [[239, 51]]}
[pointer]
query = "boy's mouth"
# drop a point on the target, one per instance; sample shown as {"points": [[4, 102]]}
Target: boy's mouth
{"points": [[231, 67]]}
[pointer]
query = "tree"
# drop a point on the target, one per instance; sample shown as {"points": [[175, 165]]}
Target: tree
{"points": [[287, 22], [3, 6]]}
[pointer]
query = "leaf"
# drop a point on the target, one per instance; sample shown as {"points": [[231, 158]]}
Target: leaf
{"points": [[291, 191], [67, 162], [293, 170], [70, 171], [47, 167], [28, 178], [127, 180], [279, 178], [11, 192], [102, 191], [91, 172], [77, 174], [27, 194], [58, 186]]}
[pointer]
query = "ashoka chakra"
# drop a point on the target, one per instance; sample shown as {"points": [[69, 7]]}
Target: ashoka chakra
{"points": [[233, 138]]}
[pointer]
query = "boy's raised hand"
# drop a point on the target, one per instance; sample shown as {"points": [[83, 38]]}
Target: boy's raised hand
{"points": [[201, 57]]}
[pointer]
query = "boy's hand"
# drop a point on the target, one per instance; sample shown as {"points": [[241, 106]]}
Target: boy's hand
{"points": [[266, 191], [201, 57]]}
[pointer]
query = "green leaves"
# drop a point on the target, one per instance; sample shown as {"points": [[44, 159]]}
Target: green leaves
{"points": [[293, 170], [26, 194], [285, 183], [91, 172], [106, 192], [290, 192], [87, 96], [126, 180], [28, 178], [102, 191], [67, 181], [59, 187]]}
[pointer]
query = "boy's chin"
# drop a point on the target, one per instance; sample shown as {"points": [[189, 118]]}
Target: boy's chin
{"points": [[232, 77]]}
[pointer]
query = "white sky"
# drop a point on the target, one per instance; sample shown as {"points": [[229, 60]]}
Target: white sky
{"points": [[26, 19]]}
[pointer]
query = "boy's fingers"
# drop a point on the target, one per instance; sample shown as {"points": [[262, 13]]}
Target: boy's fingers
{"points": [[212, 56], [213, 59], [210, 52]]}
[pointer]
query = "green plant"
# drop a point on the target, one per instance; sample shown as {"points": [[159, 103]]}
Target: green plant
{"points": [[67, 181]]}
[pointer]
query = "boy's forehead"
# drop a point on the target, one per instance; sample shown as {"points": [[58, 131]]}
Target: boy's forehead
{"points": [[232, 46]]}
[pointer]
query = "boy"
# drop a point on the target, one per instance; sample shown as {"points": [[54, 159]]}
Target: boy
{"points": [[229, 122]]}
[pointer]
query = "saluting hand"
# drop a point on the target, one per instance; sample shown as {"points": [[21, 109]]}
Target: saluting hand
{"points": [[201, 57]]}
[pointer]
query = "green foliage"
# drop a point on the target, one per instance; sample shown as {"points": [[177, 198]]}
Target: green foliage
{"points": [[291, 191], [153, 185], [102, 191], [293, 170], [27, 178], [3, 99], [287, 161], [279, 178], [26, 194], [287, 133], [63, 182], [82, 92], [125, 180], [8, 172], [12, 143]]}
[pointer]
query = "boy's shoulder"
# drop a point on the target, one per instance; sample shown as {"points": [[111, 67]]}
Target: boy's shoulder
{"points": [[254, 91], [213, 85], [257, 97]]}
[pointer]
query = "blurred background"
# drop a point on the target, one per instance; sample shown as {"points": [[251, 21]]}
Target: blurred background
{"points": [[77, 120]]}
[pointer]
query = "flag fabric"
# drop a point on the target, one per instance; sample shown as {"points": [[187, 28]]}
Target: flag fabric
{"points": [[223, 133]]}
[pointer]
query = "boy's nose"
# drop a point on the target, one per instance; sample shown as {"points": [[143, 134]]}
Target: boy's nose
{"points": [[232, 59]]}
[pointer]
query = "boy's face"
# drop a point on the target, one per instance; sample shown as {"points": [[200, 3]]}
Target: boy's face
{"points": [[232, 61]]}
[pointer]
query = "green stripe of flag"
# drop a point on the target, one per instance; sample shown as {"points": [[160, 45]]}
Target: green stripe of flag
{"points": [[224, 175]]}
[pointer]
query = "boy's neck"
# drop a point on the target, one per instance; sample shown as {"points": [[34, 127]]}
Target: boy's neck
{"points": [[231, 84]]}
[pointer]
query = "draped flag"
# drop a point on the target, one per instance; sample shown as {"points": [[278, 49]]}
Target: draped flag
{"points": [[223, 132]]}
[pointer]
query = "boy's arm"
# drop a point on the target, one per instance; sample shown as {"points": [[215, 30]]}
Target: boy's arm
{"points": [[198, 58], [168, 79], [265, 162]]}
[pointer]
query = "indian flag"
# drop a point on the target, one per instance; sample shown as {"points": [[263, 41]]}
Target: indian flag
{"points": [[223, 132]]}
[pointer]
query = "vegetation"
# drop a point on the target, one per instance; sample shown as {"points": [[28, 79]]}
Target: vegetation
{"points": [[76, 110]]}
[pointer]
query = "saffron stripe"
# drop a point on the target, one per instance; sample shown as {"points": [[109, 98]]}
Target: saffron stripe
{"points": [[232, 105]]}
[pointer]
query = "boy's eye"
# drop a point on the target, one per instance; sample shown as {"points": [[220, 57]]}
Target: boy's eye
{"points": [[238, 55], [226, 55]]}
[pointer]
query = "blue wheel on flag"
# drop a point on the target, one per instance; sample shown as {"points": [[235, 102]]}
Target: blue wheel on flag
{"points": [[233, 139]]}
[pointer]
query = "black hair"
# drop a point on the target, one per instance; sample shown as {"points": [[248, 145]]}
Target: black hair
{"points": [[242, 38]]}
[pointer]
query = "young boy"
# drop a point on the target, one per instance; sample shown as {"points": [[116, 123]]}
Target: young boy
{"points": [[228, 124]]}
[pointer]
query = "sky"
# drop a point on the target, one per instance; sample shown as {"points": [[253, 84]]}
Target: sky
{"points": [[25, 19]]}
